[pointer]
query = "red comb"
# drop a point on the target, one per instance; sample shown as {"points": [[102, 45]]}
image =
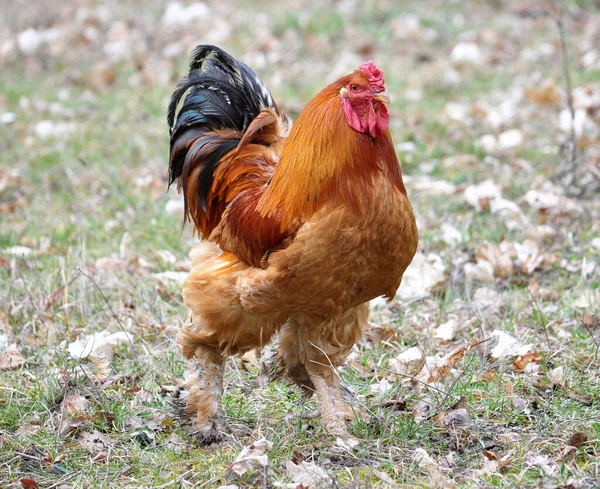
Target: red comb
{"points": [[374, 74]]}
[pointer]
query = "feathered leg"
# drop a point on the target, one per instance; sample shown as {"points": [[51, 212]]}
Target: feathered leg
{"points": [[309, 355], [216, 328], [334, 409], [200, 395]]}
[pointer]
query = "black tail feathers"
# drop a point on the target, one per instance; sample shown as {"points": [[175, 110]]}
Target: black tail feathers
{"points": [[220, 93]]}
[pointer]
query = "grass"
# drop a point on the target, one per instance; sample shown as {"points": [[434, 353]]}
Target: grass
{"points": [[92, 210]]}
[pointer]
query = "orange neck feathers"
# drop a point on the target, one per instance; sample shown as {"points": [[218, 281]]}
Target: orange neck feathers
{"points": [[325, 160]]}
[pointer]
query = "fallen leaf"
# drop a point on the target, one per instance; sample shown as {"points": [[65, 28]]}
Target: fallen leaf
{"points": [[501, 262], [544, 94], [99, 346], [589, 320], [95, 442], [446, 332], [438, 475], [27, 483], [482, 271], [559, 379], [466, 53], [578, 439], [523, 360], [172, 276], [552, 201], [486, 376], [542, 461], [308, 474], [442, 366], [424, 275], [450, 235], [513, 138], [456, 417], [73, 411], [385, 478], [100, 76], [11, 358], [428, 186], [409, 362], [487, 300], [506, 346], [251, 457], [480, 195]]}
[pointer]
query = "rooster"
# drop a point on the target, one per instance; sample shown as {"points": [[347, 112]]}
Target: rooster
{"points": [[308, 224]]}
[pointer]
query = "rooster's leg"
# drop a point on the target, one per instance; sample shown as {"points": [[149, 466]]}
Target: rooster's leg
{"points": [[199, 398], [334, 409]]}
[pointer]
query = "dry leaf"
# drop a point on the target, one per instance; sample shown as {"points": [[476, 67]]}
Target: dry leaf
{"points": [[99, 346], [424, 275], [501, 262], [11, 358], [482, 271], [487, 300], [544, 94], [409, 362], [385, 478], [438, 474], [426, 186], [73, 411], [251, 457], [542, 461], [27, 483], [578, 439], [440, 369], [446, 332], [486, 376], [480, 195], [523, 360], [559, 379], [458, 417], [308, 474], [95, 442], [100, 76], [552, 201], [506, 346]]}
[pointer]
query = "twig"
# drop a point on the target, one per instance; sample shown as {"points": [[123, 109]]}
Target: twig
{"points": [[425, 384], [542, 318], [570, 146], [587, 328], [454, 382], [114, 315]]}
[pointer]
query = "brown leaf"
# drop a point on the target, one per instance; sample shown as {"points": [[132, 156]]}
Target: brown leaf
{"points": [[251, 457], [501, 262], [589, 320], [523, 360], [559, 379], [544, 94], [578, 439], [27, 483], [458, 417], [73, 413], [95, 442], [486, 376], [100, 76], [397, 404], [11, 358], [441, 369]]}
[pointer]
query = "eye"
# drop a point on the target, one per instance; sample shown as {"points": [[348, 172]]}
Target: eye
{"points": [[355, 88]]}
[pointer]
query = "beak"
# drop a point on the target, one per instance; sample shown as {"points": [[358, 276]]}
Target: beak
{"points": [[382, 97]]}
